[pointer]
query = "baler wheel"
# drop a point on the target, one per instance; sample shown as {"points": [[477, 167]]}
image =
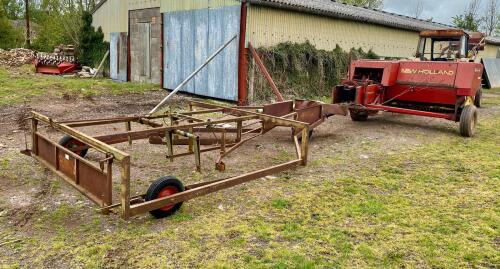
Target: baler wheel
{"points": [[468, 121], [163, 187], [71, 143], [358, 116], [478, 98]]}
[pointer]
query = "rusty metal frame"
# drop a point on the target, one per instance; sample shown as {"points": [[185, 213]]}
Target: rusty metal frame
{"points": [[182, 131]]}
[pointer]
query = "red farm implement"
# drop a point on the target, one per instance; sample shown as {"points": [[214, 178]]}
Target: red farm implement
{"points": [[443, 82], [62, 61]]}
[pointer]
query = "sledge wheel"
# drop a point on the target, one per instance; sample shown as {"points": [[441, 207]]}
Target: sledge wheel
{"points": [[164, 187], [72, 143], [357, 115], [478, 98], [468, 121]]}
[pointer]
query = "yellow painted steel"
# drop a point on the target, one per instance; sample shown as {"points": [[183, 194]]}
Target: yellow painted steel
{"points": [[143, 4], [268, 27], [468, 101], [183, 5], [112, 16], [490, 51]]}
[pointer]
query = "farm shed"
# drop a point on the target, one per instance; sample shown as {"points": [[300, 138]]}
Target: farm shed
{"points": [[133, 29], [193, 29]]}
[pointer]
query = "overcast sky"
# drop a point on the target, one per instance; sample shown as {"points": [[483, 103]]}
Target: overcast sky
{"points": [[440, 10]]}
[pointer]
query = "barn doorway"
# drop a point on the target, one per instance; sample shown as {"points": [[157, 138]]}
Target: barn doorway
{"points": [[145, 45]]}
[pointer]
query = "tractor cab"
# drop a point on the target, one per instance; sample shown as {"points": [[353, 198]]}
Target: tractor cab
{"points": [[449, 45]]}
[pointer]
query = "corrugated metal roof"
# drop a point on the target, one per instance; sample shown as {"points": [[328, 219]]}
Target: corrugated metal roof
{"points": [[492, 72], [350, 12], [493, 40], [345, 11], [98, 6]]}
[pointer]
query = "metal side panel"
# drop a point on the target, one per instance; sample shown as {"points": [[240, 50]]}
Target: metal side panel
{"points": [[201, 52], [187, 50], [118, 56], [78, 172], [492, 72], [191, 36]]}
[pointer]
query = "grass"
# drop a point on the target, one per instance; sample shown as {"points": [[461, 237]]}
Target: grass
{"points": [[21, 84], [434, 206]]}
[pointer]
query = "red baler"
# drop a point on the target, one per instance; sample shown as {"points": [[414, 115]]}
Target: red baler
{"points": [[442, 82]]}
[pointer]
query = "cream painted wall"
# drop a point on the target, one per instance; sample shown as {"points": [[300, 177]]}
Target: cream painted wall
{"points": [[267, 27]]}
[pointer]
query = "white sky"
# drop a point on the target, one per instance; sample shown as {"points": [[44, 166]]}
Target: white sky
{"points": [[441, 10]]}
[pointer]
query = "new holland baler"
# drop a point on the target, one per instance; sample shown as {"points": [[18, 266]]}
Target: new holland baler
{"points": [[442, 82]]}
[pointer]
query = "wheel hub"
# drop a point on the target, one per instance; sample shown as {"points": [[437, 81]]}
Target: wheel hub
{"points": [[168, 191]]}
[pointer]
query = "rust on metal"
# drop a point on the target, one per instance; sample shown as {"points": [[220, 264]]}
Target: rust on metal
{"points": [[265, 73], [228, 132]]}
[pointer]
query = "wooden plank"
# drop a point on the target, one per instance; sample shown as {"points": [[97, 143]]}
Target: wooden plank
{"points": [[125, 187]]}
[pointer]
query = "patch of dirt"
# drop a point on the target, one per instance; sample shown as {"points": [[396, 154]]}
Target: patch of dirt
{"points": [[21, 202]]}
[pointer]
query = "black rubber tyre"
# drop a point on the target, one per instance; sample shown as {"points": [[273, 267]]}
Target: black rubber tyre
{"points": [[69, 143], [162, 187], [359, 116], [468, 121], [478, 98]]}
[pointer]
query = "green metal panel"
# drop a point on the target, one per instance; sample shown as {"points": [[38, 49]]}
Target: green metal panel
{"points": [[185, 5]]}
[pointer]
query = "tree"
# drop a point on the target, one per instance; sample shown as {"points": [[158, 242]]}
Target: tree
{"points": [[497, 30], [91, 46], [13, 9], [492, 17], [470, 19], [9, 36], [375, 4], [419, 9]]}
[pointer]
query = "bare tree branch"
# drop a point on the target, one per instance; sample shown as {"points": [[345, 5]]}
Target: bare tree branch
{"points": [[419, 9], [491, 18]]}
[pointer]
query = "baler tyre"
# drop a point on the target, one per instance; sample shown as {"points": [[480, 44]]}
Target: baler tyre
{"points": [[71, 143], [468, 121], [359, 116], [163, 187], [478, 98]]}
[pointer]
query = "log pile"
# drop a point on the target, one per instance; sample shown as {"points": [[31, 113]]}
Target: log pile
{"points": [[16, 57]]}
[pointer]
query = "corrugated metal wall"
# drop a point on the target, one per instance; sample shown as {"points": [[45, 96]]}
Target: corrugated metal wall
{"points": [[142, 4], [112, 16], [268, 27], [118, 56], [193, 30], [490, 51]]}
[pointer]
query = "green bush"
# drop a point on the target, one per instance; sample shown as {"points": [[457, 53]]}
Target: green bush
{"points": [[302, 71], [92, 46]]}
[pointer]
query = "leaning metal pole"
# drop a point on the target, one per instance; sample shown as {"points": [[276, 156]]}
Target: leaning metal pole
{"points": [[178, 88]]}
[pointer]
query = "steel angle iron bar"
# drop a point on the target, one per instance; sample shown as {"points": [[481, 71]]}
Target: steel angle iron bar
{"points": [[182, 84]]}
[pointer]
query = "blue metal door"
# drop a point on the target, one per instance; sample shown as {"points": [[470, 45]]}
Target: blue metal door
{"points": [[118, 56], [191, 36]]}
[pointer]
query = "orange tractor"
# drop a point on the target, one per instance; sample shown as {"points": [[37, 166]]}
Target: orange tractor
{"points": [[443, 81]]}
